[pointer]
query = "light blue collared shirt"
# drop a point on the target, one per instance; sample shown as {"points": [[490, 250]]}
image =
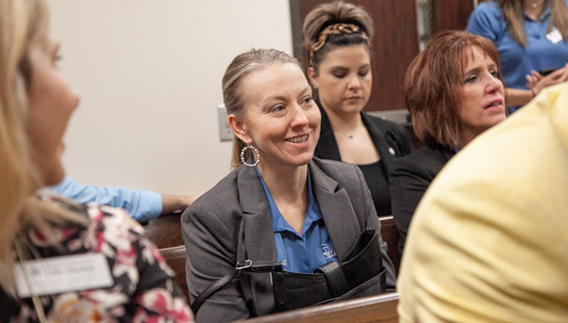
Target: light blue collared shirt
{"points": [[143, 205], [306, 252]]}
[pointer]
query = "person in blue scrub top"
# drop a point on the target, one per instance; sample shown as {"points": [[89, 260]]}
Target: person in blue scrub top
{"points": [[531, 36], [280, 204], [142, 205]]}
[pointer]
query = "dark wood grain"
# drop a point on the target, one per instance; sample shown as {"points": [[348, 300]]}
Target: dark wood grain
{"points": [[175, 258], [389, 232], [450, 14], [376, 309], [394, 46], [165, 231]]}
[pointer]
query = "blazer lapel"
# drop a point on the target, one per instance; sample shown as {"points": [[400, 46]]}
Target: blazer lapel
{"points": [[259, 236], [379, 141], [327, 145], [338, 214], [258, 239]]}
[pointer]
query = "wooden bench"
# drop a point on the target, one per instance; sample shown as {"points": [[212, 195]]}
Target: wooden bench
{"points": [[175, 257], [389, 232], [165, 231], [376, 309]]}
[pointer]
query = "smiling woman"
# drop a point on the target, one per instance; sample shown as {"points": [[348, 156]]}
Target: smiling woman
{"points": [[454, 92], [281, 208], [281, 119]]}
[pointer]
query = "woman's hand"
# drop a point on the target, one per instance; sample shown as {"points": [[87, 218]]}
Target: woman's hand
{"points": [[537, 82]]}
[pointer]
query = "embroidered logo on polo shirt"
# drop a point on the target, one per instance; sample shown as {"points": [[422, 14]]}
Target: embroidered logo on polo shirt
{"points": [[554, 36], [327, 250]]}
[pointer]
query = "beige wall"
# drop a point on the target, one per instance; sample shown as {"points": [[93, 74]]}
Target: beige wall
{"points": [[149, 76]]}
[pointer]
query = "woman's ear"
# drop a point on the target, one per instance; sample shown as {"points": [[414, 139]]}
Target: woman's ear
{"points": [[239, 129], [313, 77]]}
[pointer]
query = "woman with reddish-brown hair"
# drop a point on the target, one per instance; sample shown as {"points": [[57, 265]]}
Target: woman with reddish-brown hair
{"points": [[454, 92]]}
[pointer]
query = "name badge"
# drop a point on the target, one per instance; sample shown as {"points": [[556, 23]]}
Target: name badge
{"points": [[63, 274], [554, 36]]}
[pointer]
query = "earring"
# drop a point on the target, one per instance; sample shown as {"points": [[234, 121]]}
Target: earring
{"points": [[243, 152], [315, 86]]}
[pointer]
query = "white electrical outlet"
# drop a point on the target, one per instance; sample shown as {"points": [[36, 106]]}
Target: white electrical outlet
{"points": [[225, 133]]}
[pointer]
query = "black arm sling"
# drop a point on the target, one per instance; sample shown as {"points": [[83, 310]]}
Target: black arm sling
{"points": [[360, 274]]}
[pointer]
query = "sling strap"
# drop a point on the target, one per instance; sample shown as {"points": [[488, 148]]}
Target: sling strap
{"points": [[247, 265], [361, 270], [335, 278]]}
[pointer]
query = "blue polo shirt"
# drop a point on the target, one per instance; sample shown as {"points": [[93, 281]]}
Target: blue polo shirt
{"points": [[306, 252], [543, 51]]}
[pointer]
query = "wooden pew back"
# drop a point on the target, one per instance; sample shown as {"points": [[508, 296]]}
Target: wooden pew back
{"points": [[175, 257], [389, 232], [166, 233]]}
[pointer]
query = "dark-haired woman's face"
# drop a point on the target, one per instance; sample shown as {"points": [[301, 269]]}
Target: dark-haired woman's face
{"points": [[344, 80], [482, 95], [50, 104]]}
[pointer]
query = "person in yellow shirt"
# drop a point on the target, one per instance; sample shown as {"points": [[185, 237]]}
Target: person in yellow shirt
{"points": [[488, 242]]}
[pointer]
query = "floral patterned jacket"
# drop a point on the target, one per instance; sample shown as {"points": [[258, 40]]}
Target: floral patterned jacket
{"points": [[143, 289]]}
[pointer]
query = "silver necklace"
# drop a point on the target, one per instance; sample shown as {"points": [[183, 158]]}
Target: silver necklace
{"points": [[351, 136], [534, 4], [348, 136]]}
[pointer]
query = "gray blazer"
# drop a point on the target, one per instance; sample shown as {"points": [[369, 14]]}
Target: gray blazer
{"points": [[211, 226]]}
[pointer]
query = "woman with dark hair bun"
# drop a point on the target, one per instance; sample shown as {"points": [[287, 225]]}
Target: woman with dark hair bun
{"points": [[337, 47], [454, 92]]}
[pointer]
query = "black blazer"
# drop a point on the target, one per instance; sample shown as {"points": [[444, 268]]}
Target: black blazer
{"points": [[237, 205], [385, 135], [409, 178], [391, 140]]}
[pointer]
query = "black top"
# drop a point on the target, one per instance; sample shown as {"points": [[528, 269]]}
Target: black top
{"points": [[378, 183], [409, 177], [391, 140]]}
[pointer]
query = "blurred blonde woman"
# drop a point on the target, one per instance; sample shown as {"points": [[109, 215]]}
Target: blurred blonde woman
{"points": [[80, 263]]}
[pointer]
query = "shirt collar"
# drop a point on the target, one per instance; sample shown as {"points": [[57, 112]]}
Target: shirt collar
{"points": [[313, 213], [543, 16]]}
